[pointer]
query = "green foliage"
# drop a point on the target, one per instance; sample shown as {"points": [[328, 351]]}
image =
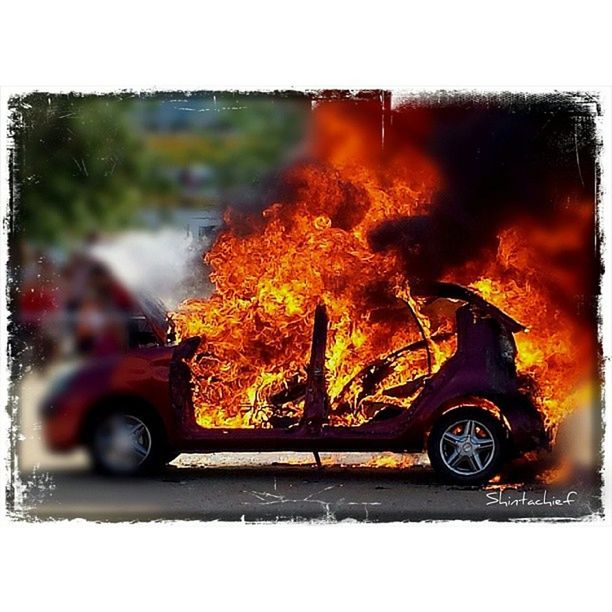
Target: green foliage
{"points": [[254, 138], [240, 137], [80, 166], [88, 163]]}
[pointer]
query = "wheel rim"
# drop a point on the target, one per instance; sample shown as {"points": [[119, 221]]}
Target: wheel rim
{"points": [[123, 442], [467, 447]]}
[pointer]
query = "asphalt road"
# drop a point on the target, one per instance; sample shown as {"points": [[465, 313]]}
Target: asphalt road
{"points": [[273, 487], [293, 493]]}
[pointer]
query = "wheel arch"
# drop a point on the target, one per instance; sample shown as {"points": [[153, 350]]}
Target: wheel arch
{"points": [[492, 406]]}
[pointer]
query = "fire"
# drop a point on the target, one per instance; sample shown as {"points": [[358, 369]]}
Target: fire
{"points": [[390, 461], [555, 350], [257, 325], [270, 272]]}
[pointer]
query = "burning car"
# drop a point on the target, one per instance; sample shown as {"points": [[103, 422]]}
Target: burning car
{"points": [[473, 412]]}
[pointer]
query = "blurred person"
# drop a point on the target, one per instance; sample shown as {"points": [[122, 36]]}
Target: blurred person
{"points": [[97, 307], [100, 329]]}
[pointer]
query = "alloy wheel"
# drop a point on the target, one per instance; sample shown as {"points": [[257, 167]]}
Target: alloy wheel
{"points": [[123, 442], [467, 447]]}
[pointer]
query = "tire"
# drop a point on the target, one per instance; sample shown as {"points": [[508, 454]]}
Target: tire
{"points": [[126, 442], [467, 446]]}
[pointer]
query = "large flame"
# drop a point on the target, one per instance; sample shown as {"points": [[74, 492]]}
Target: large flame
{"points": [[556, 350], [271, 272]]}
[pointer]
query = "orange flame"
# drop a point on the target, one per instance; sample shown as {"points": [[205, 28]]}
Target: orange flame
{"points": [[557, 349], [256, 327]]}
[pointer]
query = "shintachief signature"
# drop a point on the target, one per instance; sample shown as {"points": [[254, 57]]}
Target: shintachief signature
{"points": [[501, 498]]}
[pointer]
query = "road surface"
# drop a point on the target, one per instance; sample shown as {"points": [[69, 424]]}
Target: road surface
{"points": [[272, 487], [294, 493]]}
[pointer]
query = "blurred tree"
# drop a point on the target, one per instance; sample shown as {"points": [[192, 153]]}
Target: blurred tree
{"points": [[80, 166], [254, 139], [241, 138]]}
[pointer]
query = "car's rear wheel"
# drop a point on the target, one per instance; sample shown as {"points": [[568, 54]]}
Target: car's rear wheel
{"points": [[126, 442], [466, 446]]}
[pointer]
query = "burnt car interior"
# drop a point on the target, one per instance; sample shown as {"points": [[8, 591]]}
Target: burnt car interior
{"points": [[483, 336]]}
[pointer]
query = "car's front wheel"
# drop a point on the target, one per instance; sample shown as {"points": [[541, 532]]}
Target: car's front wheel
{"points": [[126, 443], [466, 446]]}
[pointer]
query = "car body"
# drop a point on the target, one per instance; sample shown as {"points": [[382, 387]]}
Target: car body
{"points": [[473, 411]]}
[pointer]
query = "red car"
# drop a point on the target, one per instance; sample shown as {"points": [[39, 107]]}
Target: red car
{"points": [[134, 412]]}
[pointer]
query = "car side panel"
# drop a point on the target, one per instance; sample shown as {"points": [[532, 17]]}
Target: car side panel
{"points": [[141, 374]]}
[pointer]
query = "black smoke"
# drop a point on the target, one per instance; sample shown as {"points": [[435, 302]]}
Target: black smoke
{"points": [[501, 159]]}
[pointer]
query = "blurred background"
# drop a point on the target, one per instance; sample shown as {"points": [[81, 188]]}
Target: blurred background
{"points": [[116, 197]]}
